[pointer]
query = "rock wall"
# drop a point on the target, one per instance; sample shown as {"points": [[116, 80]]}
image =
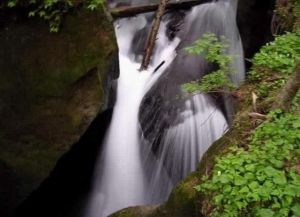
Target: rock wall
{"points": [[52, 86], [254, 22]]}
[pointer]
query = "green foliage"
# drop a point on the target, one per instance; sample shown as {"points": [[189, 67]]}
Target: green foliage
{"points": [[214, 51], [262, 180], [296, 102], [275, 62], [280, 55], [51, 11], [94, 4], [213, 82], [296, 13]]}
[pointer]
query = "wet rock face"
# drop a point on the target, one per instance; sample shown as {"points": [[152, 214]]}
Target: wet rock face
{"points": [[52, 86], [254, 21]]}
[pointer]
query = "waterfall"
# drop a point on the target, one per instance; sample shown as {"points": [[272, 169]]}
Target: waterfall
{"points": [[159, 133]]}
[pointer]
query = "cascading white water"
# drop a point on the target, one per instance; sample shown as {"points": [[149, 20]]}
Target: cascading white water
{"points": [[120, 176], [129, 172], [200, 121]]}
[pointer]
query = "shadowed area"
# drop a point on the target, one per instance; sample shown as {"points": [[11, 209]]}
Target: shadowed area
{"points": [[64, 192]]}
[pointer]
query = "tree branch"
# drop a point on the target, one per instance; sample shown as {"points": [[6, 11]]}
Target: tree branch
{"points": [[150, 44]]}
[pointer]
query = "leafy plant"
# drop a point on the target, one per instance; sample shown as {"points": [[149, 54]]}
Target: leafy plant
{"points": [[263, 180], [94, 4], [51, 11], [280, 55], [213, 50], [275, 62]]}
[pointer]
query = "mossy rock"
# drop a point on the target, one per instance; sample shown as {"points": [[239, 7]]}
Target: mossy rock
{"points": [[52, 86]]}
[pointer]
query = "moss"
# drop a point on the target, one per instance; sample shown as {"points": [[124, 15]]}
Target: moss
{"points": [[125, 213], [49, 89], [66, 61], [137, 212], [183, 198], [30, 159]]}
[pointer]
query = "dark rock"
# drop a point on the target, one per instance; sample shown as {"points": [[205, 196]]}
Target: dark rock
{"points": [[67, 188], [52, 86], [254, 21], [9, 189]]}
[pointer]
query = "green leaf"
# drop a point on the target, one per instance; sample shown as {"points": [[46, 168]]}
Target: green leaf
{"points": [[198, 188], [265, 213], [239, 180], [12, 3], [280, 179], [218, 198], [31, 14], [270, 171], [296, 210], [254, 185], [224, 179]]}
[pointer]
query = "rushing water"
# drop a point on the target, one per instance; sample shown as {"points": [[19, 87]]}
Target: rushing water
{"points": [[158, 133]]}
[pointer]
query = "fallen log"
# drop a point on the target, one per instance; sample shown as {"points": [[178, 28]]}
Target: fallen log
{"points": [[129, 11], [150, 44]]}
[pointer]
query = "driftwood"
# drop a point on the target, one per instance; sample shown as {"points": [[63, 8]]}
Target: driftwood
{"points": [[150, 44], [129, 11]]}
